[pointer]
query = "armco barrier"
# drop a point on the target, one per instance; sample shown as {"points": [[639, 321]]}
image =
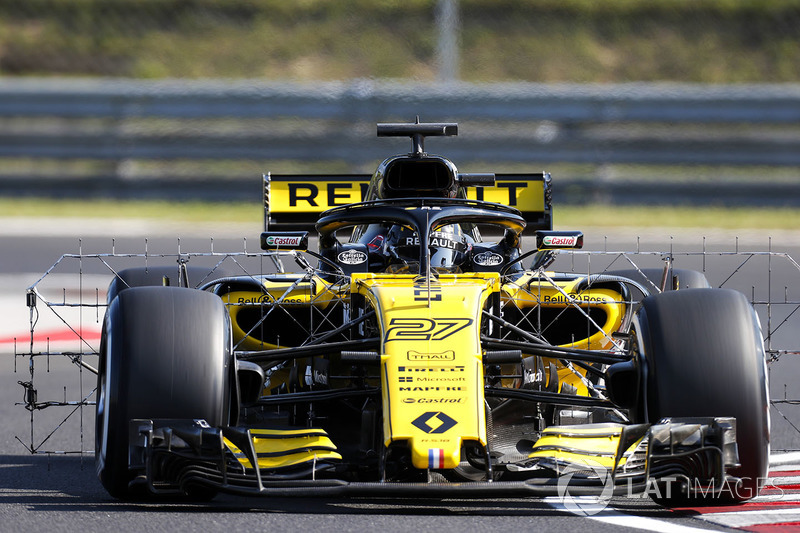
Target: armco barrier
{"points": [[109, 124]]}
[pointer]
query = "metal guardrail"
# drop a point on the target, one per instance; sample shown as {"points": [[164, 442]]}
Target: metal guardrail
{"points": [[513, 123], [365, 99]]}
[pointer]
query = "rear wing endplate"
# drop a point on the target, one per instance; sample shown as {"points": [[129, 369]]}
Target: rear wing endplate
{"points": [[296, 201]]}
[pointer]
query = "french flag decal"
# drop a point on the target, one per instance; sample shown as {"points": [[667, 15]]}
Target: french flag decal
{"points": [[435, 458]]}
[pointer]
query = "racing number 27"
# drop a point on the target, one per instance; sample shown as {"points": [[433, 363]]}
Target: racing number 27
{"points": [[424, 329]]}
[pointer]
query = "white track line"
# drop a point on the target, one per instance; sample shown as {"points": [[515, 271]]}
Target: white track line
{"points": [[609, 515], [772, 498], [784, 480], [785, 459], [648, 524]]}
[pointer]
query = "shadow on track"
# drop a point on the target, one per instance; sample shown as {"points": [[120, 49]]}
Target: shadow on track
{"points": [[68, 484]]}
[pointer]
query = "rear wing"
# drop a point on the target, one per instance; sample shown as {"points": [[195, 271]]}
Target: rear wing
{"points": [[296, 201]]}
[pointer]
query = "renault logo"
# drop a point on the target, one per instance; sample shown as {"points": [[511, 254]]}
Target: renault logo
{"points": [[434, 422]]}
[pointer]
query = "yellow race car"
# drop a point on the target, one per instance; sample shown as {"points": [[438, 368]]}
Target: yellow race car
{"points": [[420, 351]]}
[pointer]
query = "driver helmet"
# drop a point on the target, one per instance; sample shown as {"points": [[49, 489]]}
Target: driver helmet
{"points": [[448, 246]]}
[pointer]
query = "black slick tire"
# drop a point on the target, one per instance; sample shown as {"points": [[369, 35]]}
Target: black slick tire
{"points": [[156, 276], [677, 278], [166, 353], [704, 357]]}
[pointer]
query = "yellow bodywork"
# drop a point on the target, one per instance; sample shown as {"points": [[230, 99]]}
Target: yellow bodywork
{"points": [[431, 359], [278, 448], [591, 445], [432, 380], [314, 292], [530, 292]]}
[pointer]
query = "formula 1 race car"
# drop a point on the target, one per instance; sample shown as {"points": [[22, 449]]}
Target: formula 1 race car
{"points": [[419, 351]]}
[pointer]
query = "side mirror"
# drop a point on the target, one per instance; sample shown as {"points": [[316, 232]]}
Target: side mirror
{"points": [[284, 240]]}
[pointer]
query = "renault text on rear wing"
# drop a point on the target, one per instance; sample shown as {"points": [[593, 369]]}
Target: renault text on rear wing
{"points": [[296, 201]]}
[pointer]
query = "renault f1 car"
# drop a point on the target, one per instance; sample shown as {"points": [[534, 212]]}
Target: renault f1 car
{"points": [[420, 351]]}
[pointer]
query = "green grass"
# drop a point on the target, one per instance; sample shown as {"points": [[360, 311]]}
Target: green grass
{"points": [[566, 217], [711, 41]]}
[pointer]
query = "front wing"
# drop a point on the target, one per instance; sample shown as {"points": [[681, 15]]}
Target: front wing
{"points": [[177, 457]]}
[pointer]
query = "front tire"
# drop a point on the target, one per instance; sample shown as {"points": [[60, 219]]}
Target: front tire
{"points": [[704, 357], [166, 353], [159, 275]]}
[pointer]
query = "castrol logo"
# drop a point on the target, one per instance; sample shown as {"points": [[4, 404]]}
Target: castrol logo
{"points": [[284, 241], [567, 241]]}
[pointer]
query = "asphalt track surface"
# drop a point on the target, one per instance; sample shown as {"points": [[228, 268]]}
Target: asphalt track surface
{"points": [[59, 492]]}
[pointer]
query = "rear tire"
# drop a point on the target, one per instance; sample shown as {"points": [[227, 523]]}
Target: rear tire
{"points": [[166, 353], [704, 356], [678, 278]]}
